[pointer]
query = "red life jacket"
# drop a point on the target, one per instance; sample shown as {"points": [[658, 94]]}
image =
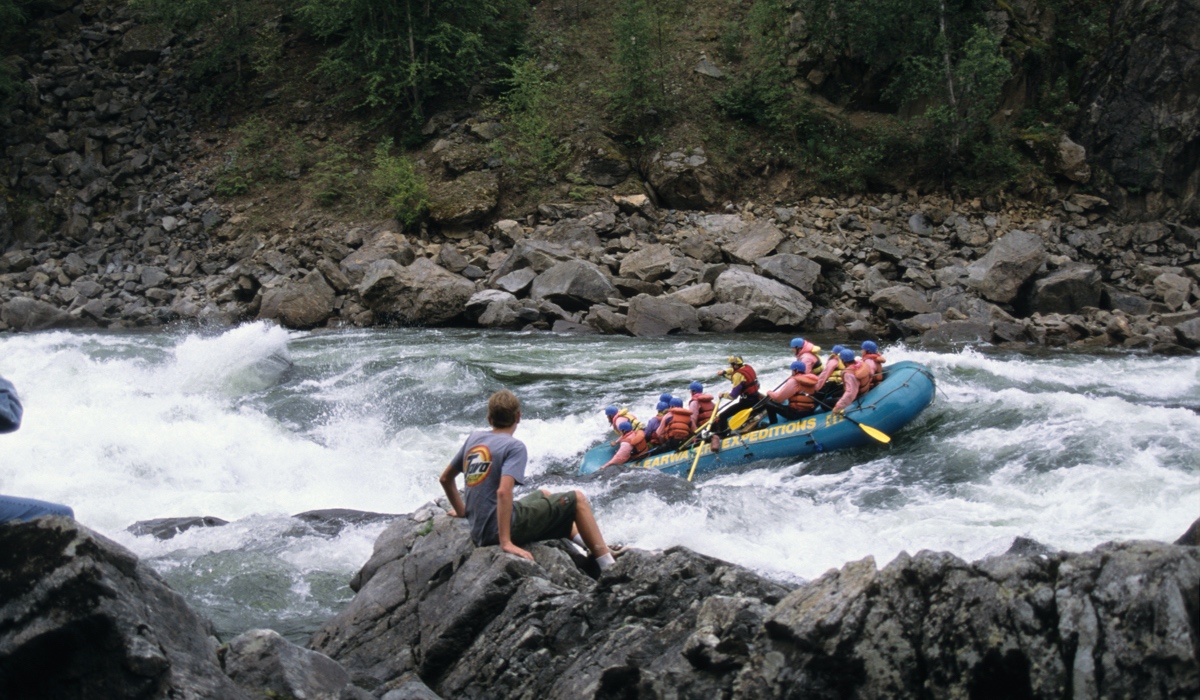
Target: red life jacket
{"points": [[749, 379], [680, 424], [808, 385], [637, 439], [705, 401], [878, 360]]}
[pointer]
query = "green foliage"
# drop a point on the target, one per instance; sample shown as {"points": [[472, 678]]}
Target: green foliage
{"points": [[241, 38], [12, 19], [396, 180], [335, 176], [401, 56], [529, 105], [637, 87], [265, 154]]}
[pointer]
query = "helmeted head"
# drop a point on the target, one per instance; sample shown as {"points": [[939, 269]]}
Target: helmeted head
{"points": [[837, 350], [624, 426], [662, 406], [846, 355], [665, 396], [797, 343], [799, 366], [676, 402], [695, 387], [735, 361], [610, 412], [870, 346]]}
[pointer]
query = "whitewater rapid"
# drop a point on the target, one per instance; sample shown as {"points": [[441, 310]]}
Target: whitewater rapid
{"points": [[256, 423]]}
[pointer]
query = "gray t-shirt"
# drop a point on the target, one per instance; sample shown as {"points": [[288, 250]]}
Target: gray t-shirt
{"points": [[484, 458]]}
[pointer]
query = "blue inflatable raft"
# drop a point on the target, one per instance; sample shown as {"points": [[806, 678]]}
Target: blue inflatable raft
{"points": [[907, 388]]}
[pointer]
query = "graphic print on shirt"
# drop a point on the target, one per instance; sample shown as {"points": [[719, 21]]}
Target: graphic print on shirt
{"points": [[476, 464]]}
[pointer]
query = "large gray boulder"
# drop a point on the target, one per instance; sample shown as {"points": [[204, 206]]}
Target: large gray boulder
{"points": [[464, 200], [649, 263], [793, 270], [1066, 291], [420, 294], [770, 303], [383, 245], [903, 300], [1173, 289], [757, 240], [25, 314], [263, 662], [683, 180], [651, 317], [298, 304], [81, 617], [725, 318], [538, 256], [1011, 261], [573, 284]]}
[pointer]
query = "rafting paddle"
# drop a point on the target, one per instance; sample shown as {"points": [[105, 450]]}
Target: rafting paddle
{"points": [[700, 446], [736, 420], [873, 432]]}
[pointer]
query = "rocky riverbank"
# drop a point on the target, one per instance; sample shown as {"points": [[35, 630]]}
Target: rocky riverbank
{"points": [[436, 617], [118, 228]]}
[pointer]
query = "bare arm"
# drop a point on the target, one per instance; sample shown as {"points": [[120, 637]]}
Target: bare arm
{"points": [[504, 509], [457, 508]]}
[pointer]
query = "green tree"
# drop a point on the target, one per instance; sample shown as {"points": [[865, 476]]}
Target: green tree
{"points": [[529, 108], [396, 180], [642, 30], [399, 56]]}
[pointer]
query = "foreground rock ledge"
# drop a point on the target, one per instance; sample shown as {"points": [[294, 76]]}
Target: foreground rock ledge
{"points": [[81, 617]]}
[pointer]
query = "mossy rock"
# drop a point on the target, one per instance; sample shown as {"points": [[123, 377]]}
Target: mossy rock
{"points": [[464, 200]]}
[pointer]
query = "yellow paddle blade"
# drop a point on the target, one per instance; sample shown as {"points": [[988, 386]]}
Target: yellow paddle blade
{"points": [[875, 433], [738, 418]]}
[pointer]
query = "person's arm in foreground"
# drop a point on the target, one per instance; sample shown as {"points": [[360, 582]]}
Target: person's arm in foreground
{"points": [[504, 509], [457, 508]]}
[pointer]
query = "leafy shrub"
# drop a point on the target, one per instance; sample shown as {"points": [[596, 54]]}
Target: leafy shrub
{"points": [[334, 176], [529, 106], [396, 180]]}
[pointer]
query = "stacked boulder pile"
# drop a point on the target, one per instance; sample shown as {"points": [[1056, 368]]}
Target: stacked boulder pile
{"points": [[118, 228], [435, 616]]}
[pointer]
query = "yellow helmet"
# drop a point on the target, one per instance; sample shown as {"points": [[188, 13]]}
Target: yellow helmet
{"points": [[736, 361]]}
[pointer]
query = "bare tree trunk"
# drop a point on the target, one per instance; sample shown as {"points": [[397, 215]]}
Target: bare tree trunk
{"points": [[955, 138]]}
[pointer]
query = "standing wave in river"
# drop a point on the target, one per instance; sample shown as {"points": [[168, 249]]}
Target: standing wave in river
{"points": [[256, 423]]}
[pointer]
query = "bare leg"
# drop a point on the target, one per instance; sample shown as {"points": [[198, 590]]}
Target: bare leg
{"points": [[585, 523]]}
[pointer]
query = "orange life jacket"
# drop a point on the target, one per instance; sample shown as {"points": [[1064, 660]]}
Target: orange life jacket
{"points": [[705, 402], [808, 385], [680, 425], [878, 360], [636, 439], [862, 372]]}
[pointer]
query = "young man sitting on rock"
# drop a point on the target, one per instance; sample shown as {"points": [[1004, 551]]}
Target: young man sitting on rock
{"points": [[493, 462]]}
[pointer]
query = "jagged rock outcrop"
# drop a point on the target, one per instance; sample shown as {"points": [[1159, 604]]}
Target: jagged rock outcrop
{"points": [[1118, 621]]}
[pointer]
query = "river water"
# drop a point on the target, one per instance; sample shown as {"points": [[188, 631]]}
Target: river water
{"points": [[255, 423]]}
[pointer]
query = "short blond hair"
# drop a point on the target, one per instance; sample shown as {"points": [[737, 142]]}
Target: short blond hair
{"points": [[503, 409]]}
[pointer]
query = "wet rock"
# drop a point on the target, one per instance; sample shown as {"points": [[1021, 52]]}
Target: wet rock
{"points": [[166, 528], [574, 284], [1065, 291], [263, 662], [1188, 333], [651, 317], [25, 314], [331, 521], [1191, 538], [1011, 261], [606, 320], [298, 304], [420, 293], [959, 332], [770, 303], [83, 618]]}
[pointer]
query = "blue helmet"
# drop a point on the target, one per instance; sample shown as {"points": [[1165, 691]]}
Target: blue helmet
{"points": [[665, 396], [662, 406], [695, 387], [837, 349], [797, 342], [610, 411], [676, 402], [799, 366], [847, 355], [870, 346], [624, 426]]}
